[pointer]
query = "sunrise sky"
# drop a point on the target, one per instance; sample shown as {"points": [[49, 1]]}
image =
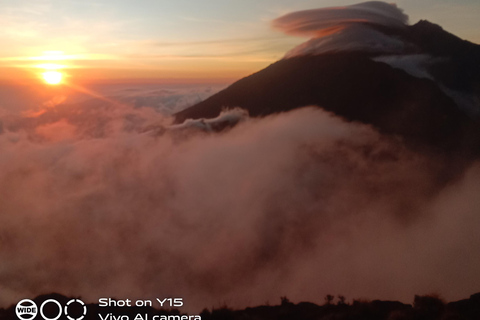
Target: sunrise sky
{"points": [[160, 39]]}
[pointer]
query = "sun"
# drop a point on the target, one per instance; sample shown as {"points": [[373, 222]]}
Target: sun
{"points": [[52, 77]]}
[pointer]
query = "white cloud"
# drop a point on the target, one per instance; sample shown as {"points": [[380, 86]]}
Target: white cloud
{"points": [[344, 28], [301, 204]]}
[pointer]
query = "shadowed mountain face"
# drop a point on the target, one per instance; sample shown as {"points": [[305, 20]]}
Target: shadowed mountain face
{"points": [[360, 86]]}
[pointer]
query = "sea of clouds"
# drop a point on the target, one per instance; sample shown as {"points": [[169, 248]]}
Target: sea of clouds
{"points": [[102, 199]]}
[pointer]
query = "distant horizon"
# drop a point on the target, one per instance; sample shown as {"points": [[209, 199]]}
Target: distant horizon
{"points": [[186, 41]]}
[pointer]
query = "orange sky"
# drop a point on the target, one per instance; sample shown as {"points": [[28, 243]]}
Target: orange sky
{"points": [[113, 69], [183, 40]]}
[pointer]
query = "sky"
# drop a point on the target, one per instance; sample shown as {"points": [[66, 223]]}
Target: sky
{"points": [[183, 40]]}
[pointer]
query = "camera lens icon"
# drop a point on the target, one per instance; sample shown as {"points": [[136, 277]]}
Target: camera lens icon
{"points": [[83, 308], [26, 309]]}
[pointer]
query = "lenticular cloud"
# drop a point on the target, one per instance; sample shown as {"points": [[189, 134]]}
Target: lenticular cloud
{"points": [[319, 21], [344, 28]]}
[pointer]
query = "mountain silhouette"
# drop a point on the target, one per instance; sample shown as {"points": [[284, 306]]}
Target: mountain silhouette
{"points": [[439, 110]]}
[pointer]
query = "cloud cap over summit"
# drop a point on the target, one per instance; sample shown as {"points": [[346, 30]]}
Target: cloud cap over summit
{"points": [[323, 21], [358, 27]]}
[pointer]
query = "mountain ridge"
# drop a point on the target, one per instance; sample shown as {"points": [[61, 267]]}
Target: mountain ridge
{"points": [[353, 86]]}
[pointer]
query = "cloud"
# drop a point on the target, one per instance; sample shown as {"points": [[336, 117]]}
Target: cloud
{"points": [[226, 118], [259, 48], [165, 98], [358, 38], [320, 21], [301, 204], [344, 28], [415, 65]]}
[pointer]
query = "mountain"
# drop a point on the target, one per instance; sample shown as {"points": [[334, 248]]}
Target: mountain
{"points": [[427, 93]]}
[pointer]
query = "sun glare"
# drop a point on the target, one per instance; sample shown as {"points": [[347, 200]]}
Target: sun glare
{"points": [[52, 71], [52, 77]]}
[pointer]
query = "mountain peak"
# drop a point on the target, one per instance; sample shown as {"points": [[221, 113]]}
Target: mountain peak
{"points": [[433, 39], [427, 26], [419, 82]]}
